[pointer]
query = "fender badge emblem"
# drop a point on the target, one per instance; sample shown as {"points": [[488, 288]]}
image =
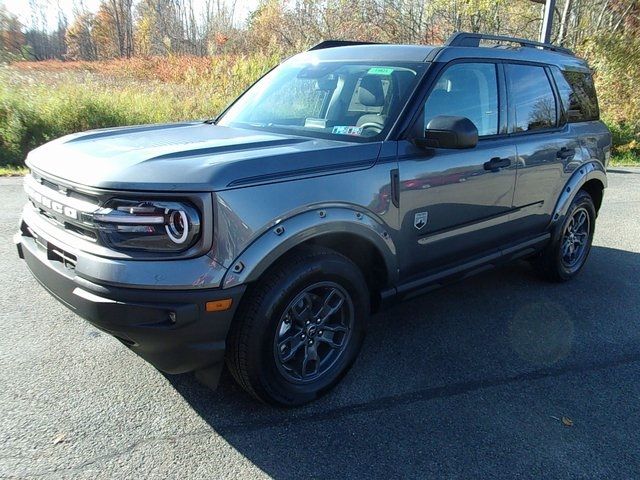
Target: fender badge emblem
{"points": [[420, 220]]}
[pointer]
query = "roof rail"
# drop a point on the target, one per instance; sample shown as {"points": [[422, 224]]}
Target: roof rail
{"points": [[339, 43], [464, 39]]}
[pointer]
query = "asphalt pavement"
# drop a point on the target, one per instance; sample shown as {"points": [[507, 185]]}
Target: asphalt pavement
{"points": [[470, 381]]}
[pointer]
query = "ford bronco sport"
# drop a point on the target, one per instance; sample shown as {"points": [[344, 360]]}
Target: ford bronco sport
{"points": [[349, 176]]}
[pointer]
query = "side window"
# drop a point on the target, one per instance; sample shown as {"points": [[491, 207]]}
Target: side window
{"points": [[578, 95], [531, 97], [467, 90]]}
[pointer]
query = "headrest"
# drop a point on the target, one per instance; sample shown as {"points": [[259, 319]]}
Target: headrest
{"points": [[371, 93]]}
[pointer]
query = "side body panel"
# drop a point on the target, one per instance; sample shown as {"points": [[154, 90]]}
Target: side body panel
{"points": [[466, 206], [543, 170], [247, 239], [595, 139]]}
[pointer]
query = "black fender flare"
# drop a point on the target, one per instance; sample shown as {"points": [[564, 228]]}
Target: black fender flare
{"points": [[586, 172], [293, 231]]}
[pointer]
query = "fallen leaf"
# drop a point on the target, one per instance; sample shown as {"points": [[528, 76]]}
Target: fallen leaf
{"points": [[567, 422], [61, 437]]}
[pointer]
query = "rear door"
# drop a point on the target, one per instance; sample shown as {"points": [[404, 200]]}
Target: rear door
{"points": [[547, 146], [453, 204]]}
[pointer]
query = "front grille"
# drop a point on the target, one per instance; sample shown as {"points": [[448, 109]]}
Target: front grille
{"points": [[63, 206]]}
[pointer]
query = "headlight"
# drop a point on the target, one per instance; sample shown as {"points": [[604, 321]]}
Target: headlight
{"points": [[148, 225]]}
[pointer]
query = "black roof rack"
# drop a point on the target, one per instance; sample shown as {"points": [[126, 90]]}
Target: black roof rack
{"points": [[464, 39], [339, 43]]}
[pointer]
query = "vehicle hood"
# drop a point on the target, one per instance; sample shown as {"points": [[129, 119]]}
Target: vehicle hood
{"points": [[191, 157]]}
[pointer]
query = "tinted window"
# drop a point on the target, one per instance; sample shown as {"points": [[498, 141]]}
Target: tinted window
{"points": [[531, 97], [578, 95], [467, 90]]}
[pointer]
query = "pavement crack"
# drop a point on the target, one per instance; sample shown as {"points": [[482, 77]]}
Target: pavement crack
{"points": [[118, 453]]}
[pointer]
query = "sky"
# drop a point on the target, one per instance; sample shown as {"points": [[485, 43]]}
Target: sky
{"points": [[22, 10]]}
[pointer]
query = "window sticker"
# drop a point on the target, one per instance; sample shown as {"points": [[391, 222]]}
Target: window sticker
{"points": [[380, 71], [347, 130]]}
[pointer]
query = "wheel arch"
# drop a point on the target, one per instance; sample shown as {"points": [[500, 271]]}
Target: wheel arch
{"points": [[595, 188], [353, 233], [590, 177]]}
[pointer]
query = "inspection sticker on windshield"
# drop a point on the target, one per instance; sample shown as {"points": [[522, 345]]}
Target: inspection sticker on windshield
{"points": [[347, 130], [380, 71]]}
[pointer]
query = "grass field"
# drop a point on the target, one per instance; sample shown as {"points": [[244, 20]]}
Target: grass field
{"points": [[12, 171], [40, 101], [45, 100]]}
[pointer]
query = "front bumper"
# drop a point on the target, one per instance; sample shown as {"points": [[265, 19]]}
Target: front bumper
{"points": [[169, 328]]}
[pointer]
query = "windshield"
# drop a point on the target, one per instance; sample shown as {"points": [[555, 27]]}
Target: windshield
{"points": [[341, 100]]}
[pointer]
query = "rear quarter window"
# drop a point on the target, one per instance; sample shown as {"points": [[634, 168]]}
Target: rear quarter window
{"points": [[578, 95]]}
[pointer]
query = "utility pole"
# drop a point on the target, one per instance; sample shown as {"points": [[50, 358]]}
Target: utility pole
{"points": [[547, 20]]}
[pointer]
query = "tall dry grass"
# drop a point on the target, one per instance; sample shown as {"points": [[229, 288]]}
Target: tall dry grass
{"points": [[40, 101]]}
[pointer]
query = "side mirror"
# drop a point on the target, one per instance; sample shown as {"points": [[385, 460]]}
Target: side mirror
{"points": [[446, 131]]}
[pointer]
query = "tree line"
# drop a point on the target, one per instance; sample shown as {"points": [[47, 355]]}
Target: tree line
{"points": [[117, 29], [127, 28]]}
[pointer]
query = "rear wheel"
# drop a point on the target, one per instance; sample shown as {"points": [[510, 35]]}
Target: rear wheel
{"points": [[567, 254], [299, 328]]}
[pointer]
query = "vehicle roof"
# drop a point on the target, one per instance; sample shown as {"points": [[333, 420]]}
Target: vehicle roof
{"points": [[379, 52], [564, 61], [427, 53]]}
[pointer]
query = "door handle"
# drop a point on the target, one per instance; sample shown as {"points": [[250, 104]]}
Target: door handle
{"points": [[565, 153], [496, 163]]}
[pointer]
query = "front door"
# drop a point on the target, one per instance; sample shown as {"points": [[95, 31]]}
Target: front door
{"points": [[455, 204]]}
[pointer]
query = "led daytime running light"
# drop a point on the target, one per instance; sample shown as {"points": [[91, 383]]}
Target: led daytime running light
{"points": [[173, 230], [108, 217]]}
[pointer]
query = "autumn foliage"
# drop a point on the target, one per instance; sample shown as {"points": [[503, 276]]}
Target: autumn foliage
{"points": [[140, 61]]}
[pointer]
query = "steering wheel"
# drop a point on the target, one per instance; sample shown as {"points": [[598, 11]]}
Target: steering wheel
{"points": [[376, 127]]}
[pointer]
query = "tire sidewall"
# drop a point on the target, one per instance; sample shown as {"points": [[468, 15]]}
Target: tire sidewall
{"points": [[262, 362], [582, 200]]}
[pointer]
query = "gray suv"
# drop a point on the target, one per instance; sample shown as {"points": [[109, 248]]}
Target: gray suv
{"points": [[350, 176]]}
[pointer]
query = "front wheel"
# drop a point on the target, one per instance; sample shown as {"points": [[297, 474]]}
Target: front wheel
{"points": [[299, 328], [568, 252]]}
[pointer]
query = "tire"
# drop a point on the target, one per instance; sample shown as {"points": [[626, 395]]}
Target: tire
{"points": [[277, 327], [556, 263]]}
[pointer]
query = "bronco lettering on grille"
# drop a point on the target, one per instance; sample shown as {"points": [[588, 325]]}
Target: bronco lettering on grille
{"points": [[51, 204]]}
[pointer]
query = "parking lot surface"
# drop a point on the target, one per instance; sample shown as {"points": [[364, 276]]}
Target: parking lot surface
{"points": [[470, 381]]}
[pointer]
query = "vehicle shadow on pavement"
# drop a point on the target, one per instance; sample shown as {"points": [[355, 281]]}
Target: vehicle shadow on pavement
{"points": [[469, 380]]}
